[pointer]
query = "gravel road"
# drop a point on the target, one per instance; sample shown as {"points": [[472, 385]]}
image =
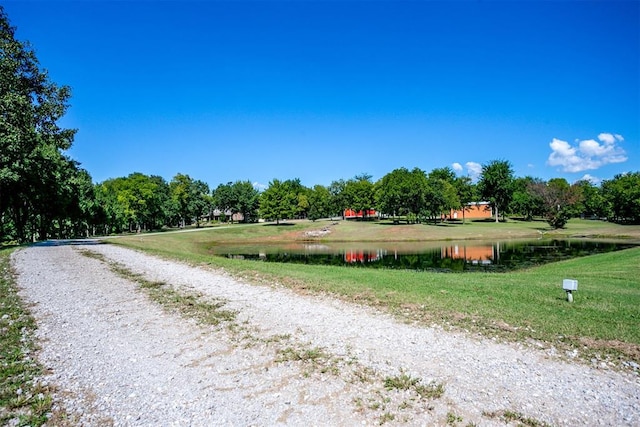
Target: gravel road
{"points": [[118, 358]]}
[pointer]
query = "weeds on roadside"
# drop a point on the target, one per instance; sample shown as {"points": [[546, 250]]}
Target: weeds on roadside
{"points": [[302, 355], [387, 417], [404, 381], [316, 359], [23, 400], [509, 416], [453, 419], [204, 310], [363, 374]]}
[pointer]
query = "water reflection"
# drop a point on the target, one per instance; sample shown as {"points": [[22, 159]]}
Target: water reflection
{"points": [[362, 256], [472, 254], [431, 256]]}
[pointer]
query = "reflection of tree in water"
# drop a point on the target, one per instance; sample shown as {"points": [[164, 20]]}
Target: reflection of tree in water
{"points": [[498, 257]]}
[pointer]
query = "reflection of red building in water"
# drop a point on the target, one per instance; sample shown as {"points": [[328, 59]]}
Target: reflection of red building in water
{"points": [[352, 256], [351, 213], [471, 254]]}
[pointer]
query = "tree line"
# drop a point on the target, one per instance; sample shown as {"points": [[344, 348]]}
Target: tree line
{"points": [[415, 196], [44, 193]]}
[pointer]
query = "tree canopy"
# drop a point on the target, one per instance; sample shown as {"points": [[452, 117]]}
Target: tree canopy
{"points": [[496, 185], [190, 197], [36, 177], [279, 201], [359, 194], [402, 192], [238, 197], [623, 195], [319, 202]]}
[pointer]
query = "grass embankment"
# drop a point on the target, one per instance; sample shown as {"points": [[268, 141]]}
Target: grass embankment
{"points": [[23, 401], [602, 322]]}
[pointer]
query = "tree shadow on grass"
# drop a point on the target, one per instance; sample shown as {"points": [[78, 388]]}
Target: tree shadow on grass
{"points": [[69, 242], [430, 224]]}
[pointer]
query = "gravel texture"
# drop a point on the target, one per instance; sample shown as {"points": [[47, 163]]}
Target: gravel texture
{"points": [[118, 358]]}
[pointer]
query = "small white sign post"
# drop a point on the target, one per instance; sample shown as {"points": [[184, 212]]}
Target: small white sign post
{"points": [[570, 285]]}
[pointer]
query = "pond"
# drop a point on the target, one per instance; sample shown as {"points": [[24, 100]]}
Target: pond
{"points": [[449, 256]]}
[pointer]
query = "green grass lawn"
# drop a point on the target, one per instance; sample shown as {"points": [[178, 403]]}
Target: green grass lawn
{"points": [[376, 231], [603, 320]]}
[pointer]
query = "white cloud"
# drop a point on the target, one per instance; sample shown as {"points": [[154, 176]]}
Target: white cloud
{"points": [[592, 179], [587, 154], [609, 138], [259, 187], [562, 148], [474, 169], [590, 147]]}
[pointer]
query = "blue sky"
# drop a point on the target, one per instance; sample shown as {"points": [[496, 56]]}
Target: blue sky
{"points": [[324, 90]]}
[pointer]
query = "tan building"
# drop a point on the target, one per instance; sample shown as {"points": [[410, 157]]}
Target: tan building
{"points": [[476, 210]]}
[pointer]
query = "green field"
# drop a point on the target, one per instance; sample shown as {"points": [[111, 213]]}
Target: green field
{"points": [[528, 306], [350, 231]]}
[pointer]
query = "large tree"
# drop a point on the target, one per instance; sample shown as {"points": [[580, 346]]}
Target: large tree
{"points": [[496, 185], [238, 197], [526, 201], [137, 202], [190, 197], [294, 186], [446, 174], [441, 195], [33, 166], [57, 196], [247, 200], [319, 199], [402, 192], [88, 213], [359, 194], [223, 198], [279, 201], [112, 212], [443, 181], [623, 193], [337, 202], [466, 192], [559, 200], [593, 203]]}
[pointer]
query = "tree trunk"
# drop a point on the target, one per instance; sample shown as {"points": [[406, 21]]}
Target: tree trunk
{"points": [[20, 220]]}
